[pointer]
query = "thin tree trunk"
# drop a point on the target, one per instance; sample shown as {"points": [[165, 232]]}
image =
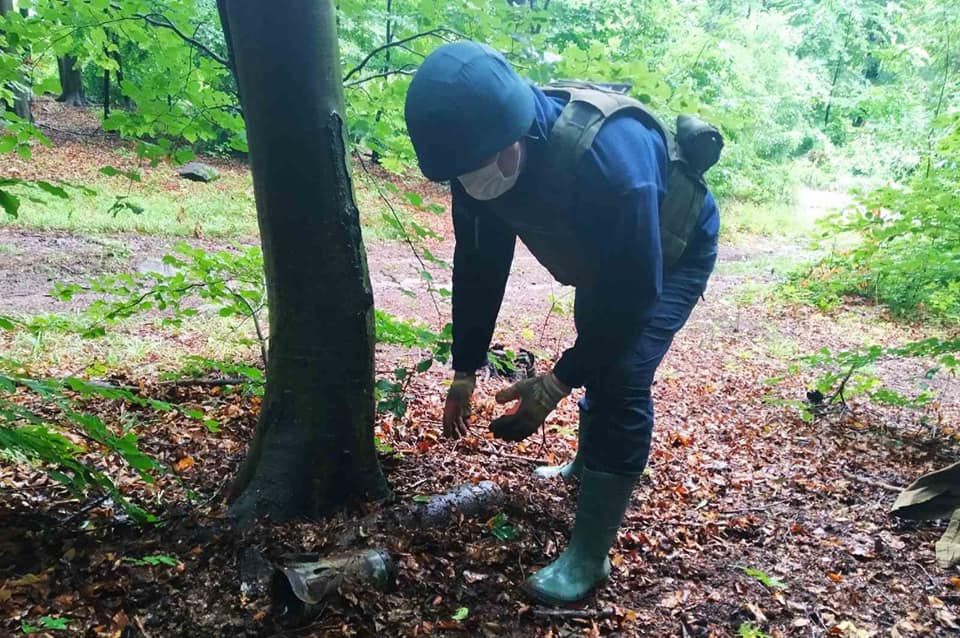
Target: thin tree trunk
{"points": [[122, 101], [314, 447], [374, 155], [936, 112], [106, 93], [836, 77], [386, 65], [71, 82]]}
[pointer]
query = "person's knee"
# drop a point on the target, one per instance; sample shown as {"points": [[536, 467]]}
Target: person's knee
{"points": [[618, 438], [630, 378]]}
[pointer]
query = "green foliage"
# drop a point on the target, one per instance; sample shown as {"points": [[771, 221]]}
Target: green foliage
{"points": [[229, 282], [900, 245], [434, 348], [46, 623], [501, 528], [153, 561], [231, 285], [194, 281], [765, 579], [60, 440], [787, 82], [749, 630], [503, 363], [848, 372], [907, 250], [461, 614]]}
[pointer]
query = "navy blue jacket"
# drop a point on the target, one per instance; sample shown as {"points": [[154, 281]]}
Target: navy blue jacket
{"points": [[620, 183]]}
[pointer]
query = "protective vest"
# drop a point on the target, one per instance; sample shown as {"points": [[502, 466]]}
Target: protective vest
{"points": [[544, 219]]}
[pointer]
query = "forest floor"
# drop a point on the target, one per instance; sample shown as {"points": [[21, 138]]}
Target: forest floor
{"points": [[737, 479]]}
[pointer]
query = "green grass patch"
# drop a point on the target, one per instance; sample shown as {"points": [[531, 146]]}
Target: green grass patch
{"points": [[224, 208], [170, 207], [743, 220], [137, 345], [779, 264]]}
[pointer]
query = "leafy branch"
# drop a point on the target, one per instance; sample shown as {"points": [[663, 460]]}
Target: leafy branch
{"points": [[441, 33], [158, 20], [406, 70]]}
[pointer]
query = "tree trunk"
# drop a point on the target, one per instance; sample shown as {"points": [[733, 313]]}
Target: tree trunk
{"points": [[123, 101], [833, 87], [106, 93], [21, 90], [71, 82], [314, 447]]}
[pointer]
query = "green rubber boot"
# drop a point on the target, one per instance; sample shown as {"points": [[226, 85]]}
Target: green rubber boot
{"points": [[585, 564], [568, 471]]}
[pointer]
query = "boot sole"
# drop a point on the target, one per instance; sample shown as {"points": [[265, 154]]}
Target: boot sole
{"points": [[544, 599]]}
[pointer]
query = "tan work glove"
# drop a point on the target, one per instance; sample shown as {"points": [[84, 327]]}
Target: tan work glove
{"points": [[456, 411], [538, 397]]}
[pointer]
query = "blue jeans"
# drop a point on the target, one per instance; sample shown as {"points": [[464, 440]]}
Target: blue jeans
{"points": [[617, 407]]}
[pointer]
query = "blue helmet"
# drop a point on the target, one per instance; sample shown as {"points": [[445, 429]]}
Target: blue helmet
{"points": [[465, 104]]}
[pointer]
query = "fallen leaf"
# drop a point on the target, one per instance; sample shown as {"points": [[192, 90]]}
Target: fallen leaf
{"points": [[849, 630], [758, 614], [673, 600], [947, 618]]}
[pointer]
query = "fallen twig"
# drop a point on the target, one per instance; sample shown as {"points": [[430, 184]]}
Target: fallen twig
{"points": [[70, 520], [518, 457], [417, 484], [568, 614], [208, 383], [874, 482], [757, 508]]}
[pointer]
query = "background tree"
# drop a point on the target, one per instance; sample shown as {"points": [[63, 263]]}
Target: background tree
{"points": [[21, 92], [71, 81], [314, 448]]}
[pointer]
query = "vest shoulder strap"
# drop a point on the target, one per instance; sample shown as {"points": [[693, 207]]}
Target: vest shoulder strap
{"points": [[587, 108]]}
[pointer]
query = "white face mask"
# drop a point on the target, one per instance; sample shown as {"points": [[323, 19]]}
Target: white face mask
{"points": [[489, 182]]}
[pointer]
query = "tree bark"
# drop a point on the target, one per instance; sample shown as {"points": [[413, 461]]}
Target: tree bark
{"points": [[314, 447], [106, 93], [22, 94], [71, 82]]}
